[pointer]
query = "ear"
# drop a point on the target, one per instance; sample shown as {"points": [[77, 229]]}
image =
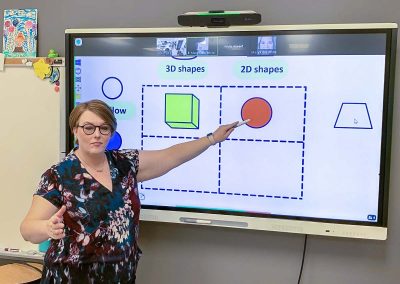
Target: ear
{"points": [[75, 132]]}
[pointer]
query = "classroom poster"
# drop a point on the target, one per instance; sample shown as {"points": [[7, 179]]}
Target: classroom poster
{"points": [[20, 33]]}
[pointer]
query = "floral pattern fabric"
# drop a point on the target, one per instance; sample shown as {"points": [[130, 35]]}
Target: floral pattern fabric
{"points": [[101, 225]]}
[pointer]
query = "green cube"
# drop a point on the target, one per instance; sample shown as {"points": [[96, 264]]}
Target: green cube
{"points": [[182, 110]]}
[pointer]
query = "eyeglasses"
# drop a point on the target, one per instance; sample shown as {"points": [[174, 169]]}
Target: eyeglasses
{"points": [[89, 128]]}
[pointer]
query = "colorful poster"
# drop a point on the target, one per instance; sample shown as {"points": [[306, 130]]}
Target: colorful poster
{"points": [[20, 33]]}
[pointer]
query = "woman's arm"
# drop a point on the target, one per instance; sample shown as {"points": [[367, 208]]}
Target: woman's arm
{"points": [[153, 164], [43, 221]]}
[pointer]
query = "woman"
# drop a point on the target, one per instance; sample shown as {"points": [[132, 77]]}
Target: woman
{"points": [[88, 204]]}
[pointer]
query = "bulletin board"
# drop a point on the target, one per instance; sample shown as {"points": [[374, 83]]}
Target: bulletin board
{"points": [[30, 117]]}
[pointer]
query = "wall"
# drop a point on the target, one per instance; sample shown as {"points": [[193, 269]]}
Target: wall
{"points": [[191, 254]]}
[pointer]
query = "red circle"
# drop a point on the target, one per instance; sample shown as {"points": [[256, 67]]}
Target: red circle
{"points": [[258, 110]]}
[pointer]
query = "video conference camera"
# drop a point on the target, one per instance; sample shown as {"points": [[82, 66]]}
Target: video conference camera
{"points": [[219, 18]]}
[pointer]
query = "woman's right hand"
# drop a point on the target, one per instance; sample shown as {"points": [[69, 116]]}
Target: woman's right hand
{"points": [[55, 225]]}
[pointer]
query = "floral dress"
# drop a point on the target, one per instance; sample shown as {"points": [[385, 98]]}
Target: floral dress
{"points": [[101, 226]]}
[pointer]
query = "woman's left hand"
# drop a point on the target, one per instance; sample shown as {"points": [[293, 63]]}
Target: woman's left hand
{"points": [[223, 132]]}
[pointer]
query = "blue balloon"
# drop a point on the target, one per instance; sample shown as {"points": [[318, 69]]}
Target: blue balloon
{"points": [[15, 22]]}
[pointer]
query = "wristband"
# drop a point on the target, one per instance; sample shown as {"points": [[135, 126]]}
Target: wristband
{"points": [[210, 137]]}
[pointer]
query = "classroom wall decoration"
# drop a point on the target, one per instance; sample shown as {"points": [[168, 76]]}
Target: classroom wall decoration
{"points": [[44, 70], [20, 33]]}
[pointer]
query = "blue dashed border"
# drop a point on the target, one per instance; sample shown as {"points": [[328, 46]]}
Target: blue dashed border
{"points": [[231, 139]]}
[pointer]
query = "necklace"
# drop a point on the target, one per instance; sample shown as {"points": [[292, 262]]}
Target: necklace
{"points": [[86, 164]]}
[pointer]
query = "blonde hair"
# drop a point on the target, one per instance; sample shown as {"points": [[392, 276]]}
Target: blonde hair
{"points": [[99, 108]]}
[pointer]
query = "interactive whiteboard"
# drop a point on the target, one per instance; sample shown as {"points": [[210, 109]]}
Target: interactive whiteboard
{"points": [[319, 100]]}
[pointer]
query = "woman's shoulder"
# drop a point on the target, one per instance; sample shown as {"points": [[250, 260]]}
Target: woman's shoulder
{"points": [[66, 164], [125, 154], [126, 159]]}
